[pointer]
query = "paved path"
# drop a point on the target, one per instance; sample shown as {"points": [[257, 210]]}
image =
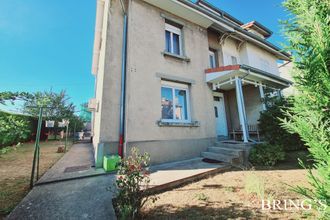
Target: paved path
{"points": [[170, 175], [77, 162], [86, 198], [71, 189]]}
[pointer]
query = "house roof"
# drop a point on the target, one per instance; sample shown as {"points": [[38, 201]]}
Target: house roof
{"points": [[219, 11], [258, 27], [237, 28], [212, 19]]}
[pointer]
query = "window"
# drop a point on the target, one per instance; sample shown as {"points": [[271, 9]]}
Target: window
{"points": [[173, 41], [212, 59], [175, 102], [233, 60]]}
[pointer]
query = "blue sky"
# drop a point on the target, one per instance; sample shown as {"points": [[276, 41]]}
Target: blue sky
{"points": [[48, 44]]}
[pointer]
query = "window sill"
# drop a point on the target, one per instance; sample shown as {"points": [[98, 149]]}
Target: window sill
{"points": [[178, 124], [184, 58]]}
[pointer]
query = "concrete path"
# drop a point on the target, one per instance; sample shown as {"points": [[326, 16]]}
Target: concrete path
{"points": [[71, 189], [77, 162], [170, 175], [86, 198]]}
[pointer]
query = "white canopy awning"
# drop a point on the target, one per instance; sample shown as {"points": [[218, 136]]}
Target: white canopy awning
{"points": [[223, 77]]}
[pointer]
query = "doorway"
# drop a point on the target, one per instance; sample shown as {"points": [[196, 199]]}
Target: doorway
{"points": [[220, 114]]}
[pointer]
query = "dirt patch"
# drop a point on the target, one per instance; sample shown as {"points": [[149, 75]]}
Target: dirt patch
{"points": [[15, 171], [233, 195]]}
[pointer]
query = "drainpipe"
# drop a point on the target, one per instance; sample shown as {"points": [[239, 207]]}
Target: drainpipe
{"points": [[123, 87]]}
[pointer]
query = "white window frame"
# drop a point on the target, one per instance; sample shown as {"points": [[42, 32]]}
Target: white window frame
{"points": [[172, 29], [212, 54], [177, 86]]}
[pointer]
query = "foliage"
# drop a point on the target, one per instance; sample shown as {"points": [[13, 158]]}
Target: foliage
{"points": [[6, 150], [13, 96], [271, 126], [14, 128], [202, 197], [255, 185], [58, 107], [308, 34], [132, 181], [266, 154], [76, 123]]}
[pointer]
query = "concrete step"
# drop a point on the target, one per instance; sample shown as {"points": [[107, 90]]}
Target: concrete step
{"points": [[219, 157], [226, 151], [222, 138], [229, 145]]}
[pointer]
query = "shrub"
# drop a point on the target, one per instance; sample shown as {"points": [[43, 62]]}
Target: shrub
{"points": [[133, 179], [14, 128], [266, 154], [271, 125]]}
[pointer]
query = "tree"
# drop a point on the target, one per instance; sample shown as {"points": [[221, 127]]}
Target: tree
{"points": [[308, 33], [58, 106], [13, 96]]}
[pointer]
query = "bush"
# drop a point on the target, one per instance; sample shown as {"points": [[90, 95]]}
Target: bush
{"points": [[270, 124], [133, 180], [14, 128], [266, 154]]}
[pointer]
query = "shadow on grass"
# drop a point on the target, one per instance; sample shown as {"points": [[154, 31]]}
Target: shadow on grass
{"points": [[234, 211]]}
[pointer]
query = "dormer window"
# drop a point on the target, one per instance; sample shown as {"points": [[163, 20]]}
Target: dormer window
{"points": [[173, 39]]}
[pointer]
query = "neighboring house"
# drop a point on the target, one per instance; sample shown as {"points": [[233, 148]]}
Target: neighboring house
{"points": [[285, 72], [172, 76]]}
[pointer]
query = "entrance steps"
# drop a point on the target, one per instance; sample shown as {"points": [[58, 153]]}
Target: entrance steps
{"points": [[228, 151]]}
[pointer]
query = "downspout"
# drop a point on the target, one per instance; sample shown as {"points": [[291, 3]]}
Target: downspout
{"points": [[123, 86]]}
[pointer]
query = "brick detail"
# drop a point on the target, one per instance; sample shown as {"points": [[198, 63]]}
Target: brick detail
{"points": [[223, 68]]}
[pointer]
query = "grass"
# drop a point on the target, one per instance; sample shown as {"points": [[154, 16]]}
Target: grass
{"points": [[234, 195], [15, 171]]}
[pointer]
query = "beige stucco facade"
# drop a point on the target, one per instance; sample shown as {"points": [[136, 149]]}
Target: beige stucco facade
{"points": [[147, 67], [286, 71]]}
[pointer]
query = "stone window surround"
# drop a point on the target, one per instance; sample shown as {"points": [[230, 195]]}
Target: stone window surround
{"points": [[177, 79], [183, 56]]}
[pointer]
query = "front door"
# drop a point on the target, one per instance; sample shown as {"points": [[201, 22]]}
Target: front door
{"points": [[220, 115]]}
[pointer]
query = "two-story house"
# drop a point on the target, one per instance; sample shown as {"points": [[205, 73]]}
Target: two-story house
{"points": [[171, 76]]}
